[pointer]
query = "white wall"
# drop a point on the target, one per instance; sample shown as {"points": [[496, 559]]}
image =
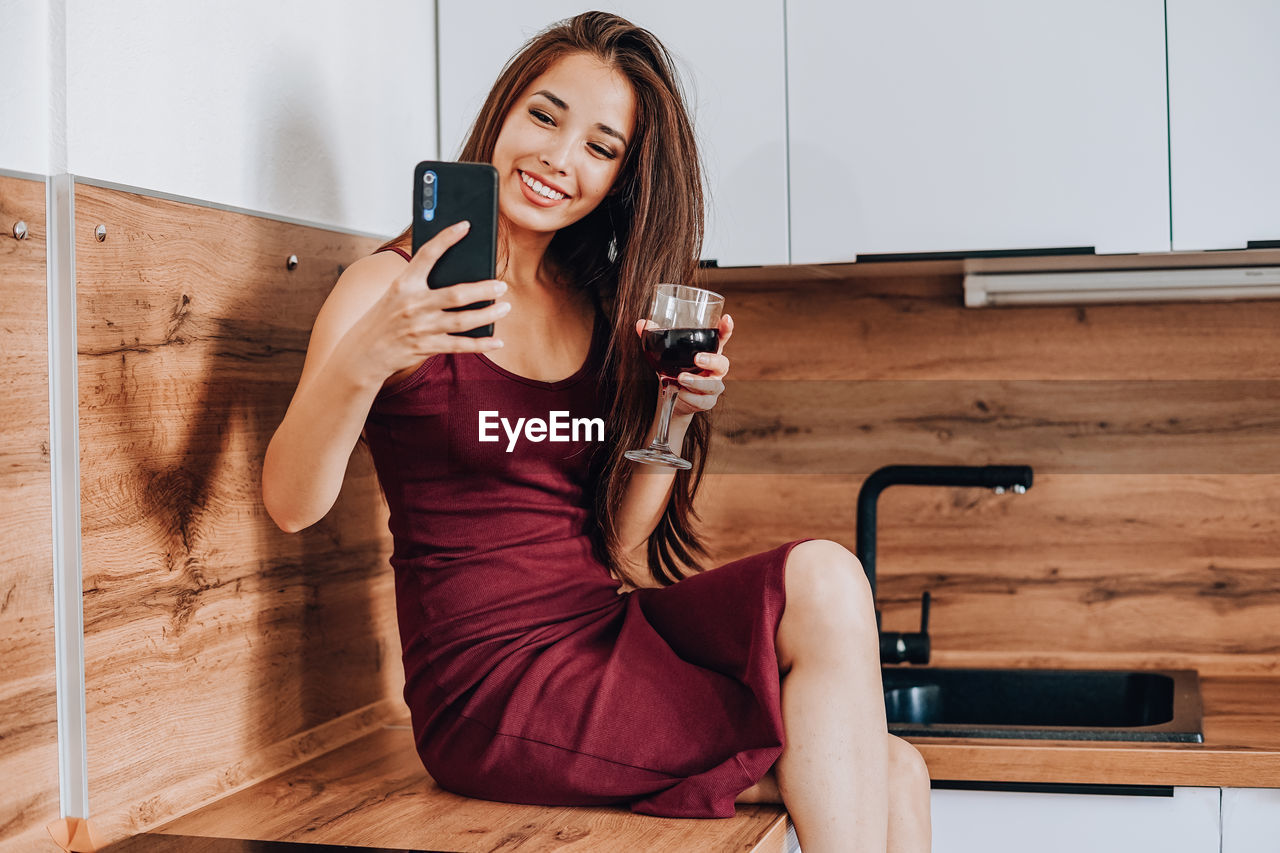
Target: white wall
{"points": [[314, 110], [24, 86]]}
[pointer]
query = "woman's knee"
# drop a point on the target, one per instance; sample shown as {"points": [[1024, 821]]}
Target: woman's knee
{"points": [[907, 768], [828, 590]]}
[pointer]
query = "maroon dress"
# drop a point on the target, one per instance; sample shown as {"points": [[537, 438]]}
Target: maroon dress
{"points": [[528, 677]]}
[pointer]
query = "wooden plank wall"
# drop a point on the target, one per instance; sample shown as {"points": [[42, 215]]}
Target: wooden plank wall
{"points": [[218, 649], [28, 688], [1152, 533]]}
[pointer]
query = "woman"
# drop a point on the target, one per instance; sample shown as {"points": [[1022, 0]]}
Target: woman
{"points": [[533, 673]]}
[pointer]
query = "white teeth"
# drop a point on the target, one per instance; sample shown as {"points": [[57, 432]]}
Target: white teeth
{"points": [[540, 189]]}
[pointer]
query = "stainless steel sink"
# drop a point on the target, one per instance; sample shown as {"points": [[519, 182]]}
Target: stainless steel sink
{"points": [[1160, 706]]}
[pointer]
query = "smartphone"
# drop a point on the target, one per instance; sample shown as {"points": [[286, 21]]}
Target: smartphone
{"points": [[445, 193]]}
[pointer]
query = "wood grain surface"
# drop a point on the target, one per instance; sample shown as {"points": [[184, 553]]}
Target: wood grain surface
{"points": [[212, 639], [1152, 532], [28, 688], [374, 792], [887, 323]]}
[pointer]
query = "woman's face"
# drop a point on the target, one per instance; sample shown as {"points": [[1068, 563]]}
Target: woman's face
{"points": [[568, 132]]}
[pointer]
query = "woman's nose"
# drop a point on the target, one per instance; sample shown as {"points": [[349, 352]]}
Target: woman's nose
{"points": [[556, 157]]}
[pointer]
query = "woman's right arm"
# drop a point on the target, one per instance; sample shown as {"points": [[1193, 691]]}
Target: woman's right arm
{"points": [[373, 324]]}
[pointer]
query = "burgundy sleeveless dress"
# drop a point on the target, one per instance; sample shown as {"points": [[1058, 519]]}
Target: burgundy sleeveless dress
{"points": [[529, 679]]}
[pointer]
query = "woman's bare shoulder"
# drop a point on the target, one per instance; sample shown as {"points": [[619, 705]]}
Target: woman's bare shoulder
{"points": [[360, 285], [364, 281], [377, 262]]}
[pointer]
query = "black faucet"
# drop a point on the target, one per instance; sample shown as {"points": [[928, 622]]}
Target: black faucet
{"points": [[895, 646]]}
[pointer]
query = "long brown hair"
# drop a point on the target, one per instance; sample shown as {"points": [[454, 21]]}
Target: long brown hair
{"points": [[648, 230]]}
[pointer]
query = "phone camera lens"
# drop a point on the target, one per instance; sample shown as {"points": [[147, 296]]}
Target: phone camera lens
{"points": [[429, 196]]}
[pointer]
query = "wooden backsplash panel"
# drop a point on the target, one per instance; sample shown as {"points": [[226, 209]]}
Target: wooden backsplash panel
{"points": [[1152, 533], [888, 325], [211, 636], [1105, 426], [28, 688]]}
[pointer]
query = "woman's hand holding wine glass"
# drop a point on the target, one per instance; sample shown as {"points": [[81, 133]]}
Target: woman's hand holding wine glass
{"points": [[684, 332], [698, 392]]}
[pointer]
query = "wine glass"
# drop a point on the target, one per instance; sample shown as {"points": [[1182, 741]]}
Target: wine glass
{"points": [[683, 321]]}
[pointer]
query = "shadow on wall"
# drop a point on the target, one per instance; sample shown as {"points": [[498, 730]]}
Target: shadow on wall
{"points": [[295, 168], [324, 650], [305, 615]]}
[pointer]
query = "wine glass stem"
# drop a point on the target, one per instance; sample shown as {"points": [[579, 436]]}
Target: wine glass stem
{"points": [[670, 388]]}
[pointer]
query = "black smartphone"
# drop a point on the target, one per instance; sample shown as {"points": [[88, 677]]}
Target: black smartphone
{"points": [[445, 193]]}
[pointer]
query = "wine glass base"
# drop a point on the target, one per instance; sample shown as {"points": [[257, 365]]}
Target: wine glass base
{"points": [[651, 456]]}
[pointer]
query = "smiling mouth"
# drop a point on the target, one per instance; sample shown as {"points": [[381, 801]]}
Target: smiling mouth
{"points": [[540, 188]]}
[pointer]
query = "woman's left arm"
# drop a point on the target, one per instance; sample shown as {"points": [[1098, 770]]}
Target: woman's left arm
{"points": [[646, 496]]}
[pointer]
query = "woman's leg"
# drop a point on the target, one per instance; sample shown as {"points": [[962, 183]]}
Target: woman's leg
{"points": [[833, 774], [910, 829], [909, 825]]}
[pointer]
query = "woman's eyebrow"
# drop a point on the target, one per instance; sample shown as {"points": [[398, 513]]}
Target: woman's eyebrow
{"points": [[603, 128]]}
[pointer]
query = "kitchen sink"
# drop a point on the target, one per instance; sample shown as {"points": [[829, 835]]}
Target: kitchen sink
{"points": [[1158, 706]]}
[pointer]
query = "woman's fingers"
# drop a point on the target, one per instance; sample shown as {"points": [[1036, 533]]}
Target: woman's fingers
{"points": [[462, 321], [701, 384], [726, 331], [699, 392], [695, 401], [465, 293], [465, 343], [712, 363], [425, 258]]}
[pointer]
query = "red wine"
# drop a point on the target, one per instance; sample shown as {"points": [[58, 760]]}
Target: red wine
{"points": [[671, 352]]}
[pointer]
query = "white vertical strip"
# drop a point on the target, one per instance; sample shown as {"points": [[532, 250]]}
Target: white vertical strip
{"points": [[57, 80], [786, 125], [64, 428], [435, 22]]}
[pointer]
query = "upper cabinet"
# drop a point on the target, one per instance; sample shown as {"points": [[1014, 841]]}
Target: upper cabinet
{"points": [[732, 65], [984, 125], [1224, 84], [837, 130]]}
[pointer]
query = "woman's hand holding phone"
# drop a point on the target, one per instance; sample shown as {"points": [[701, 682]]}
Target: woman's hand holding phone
{"points": [[409, 323]]}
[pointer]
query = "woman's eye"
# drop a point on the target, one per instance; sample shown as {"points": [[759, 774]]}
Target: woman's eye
{"points": [[543, 118]]}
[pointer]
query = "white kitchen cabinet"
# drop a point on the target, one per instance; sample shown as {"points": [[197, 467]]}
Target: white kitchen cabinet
{"points": [[731, 62], [1016, 822], [1224, 84], [1250, 820], [986, 125], [314, 111]]}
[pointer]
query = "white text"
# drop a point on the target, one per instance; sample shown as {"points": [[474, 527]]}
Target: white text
{"points": [[558, 427]]}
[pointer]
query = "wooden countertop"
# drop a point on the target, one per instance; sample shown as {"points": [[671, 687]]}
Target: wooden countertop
{"points": [[373, 791], [1241, 748]]}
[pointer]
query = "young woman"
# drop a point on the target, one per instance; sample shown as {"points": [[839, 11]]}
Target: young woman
{"points": [[554, 650]]}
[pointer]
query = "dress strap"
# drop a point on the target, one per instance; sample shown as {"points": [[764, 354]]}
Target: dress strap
{"points": [[397, 249]]}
